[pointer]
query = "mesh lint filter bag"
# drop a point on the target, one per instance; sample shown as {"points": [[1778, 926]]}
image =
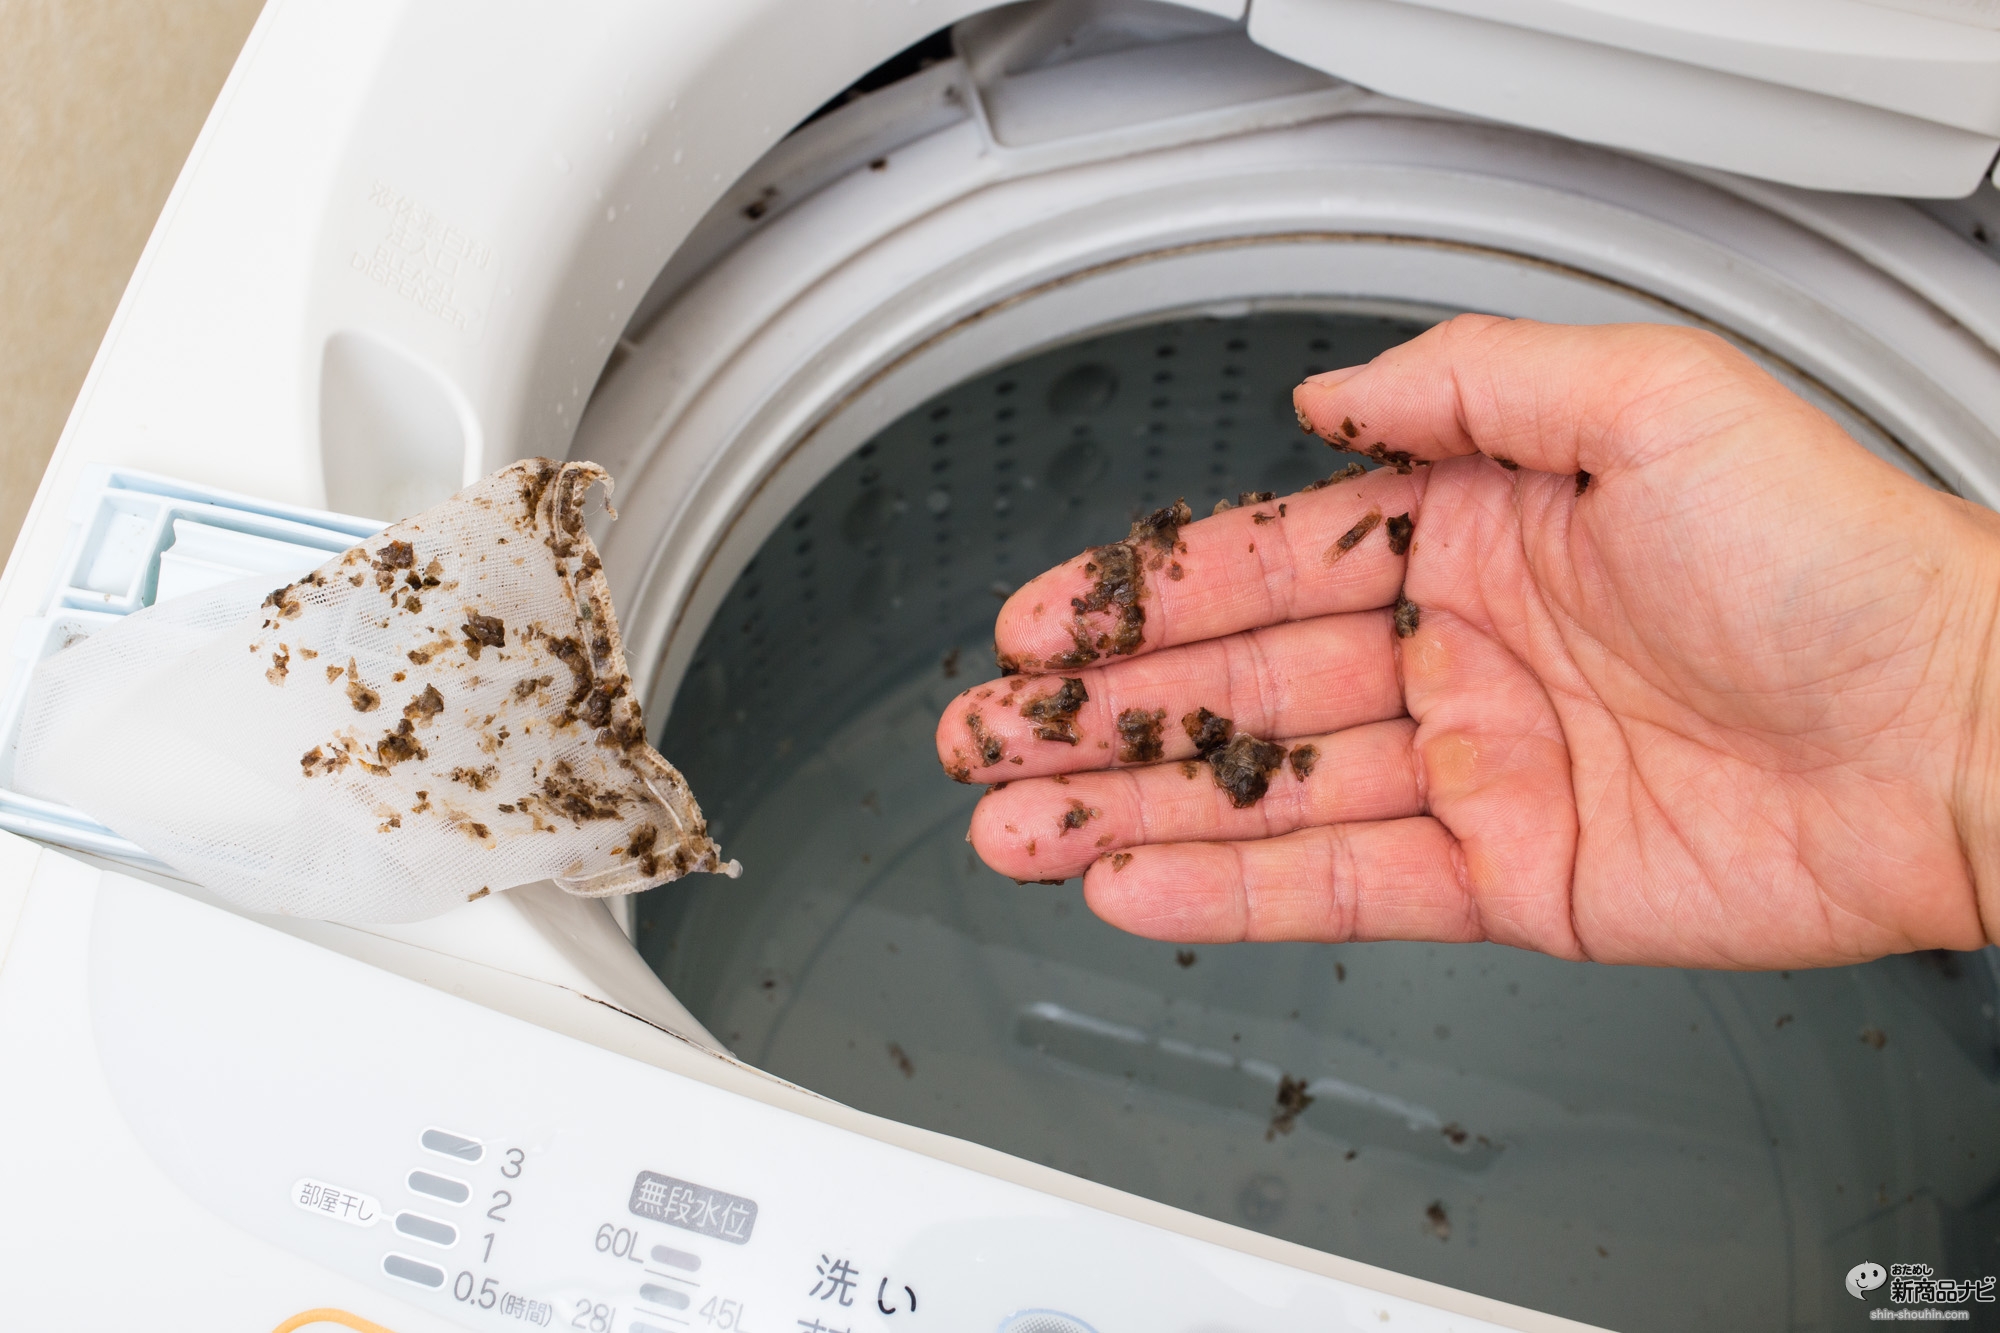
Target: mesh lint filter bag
{"points": [[438, 713]]}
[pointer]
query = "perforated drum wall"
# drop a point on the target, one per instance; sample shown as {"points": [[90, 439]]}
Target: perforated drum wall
{"points": [[1640, 1148]]}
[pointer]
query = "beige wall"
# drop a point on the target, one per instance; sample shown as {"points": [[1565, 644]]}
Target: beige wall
{"points": [[100, 101]]}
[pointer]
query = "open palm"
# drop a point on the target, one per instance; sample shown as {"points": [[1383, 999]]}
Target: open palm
{"points": [[1663, 668]]}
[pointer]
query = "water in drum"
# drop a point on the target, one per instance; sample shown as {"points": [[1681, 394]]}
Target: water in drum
{"points": [[1644, 1148]]}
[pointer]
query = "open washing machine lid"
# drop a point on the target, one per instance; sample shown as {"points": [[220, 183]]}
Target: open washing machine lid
{"points": [[408, 240], [410, 235]]}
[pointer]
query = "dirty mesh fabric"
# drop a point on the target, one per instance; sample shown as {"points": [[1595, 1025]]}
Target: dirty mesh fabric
{"points": [[438, 713]]}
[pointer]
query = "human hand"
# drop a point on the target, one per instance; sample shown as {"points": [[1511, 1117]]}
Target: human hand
{"points": [[1693, 678]]}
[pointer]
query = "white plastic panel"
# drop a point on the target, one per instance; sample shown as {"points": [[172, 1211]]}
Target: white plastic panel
{"points": [[546, 1181], [1918, 62], [394, 437], [77, 1180], [1834, 96]]}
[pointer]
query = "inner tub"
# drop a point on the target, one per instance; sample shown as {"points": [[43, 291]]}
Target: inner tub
{"points": [[1641, 1148]]}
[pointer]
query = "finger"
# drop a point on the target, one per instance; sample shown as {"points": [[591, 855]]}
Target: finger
{"points": [[1052, 828], [1297, 679], [1556, 398], [1259, 564], [1397, 879], [1496, 770]]}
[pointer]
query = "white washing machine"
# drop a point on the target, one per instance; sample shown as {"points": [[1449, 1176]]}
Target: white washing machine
{"points": [[861, 361]]}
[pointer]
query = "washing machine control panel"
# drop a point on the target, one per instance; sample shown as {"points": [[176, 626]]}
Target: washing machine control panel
{"points": [[506, 1177], [513, 1232], [558, 1231]]}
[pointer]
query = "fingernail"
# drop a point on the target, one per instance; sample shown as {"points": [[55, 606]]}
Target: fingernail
{"points": [[1326, 379]]}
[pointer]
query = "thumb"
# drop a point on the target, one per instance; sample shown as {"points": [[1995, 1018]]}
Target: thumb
{"points": [[1562, 398]]}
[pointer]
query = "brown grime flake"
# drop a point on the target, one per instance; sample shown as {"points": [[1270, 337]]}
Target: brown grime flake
{"points": [[281, 664], [991, 748], [577, 797], [1054, 714], [571, 654], [1400, 531], [1080, 653], [1292, 1101], [527, 687], [1190, 769], [1582, 482], [1407, 617], [317, 761], [1076, 817], [482, 631], [1352, 537], [1161, 529], [398, 745], [424, 705], [1118, 586], [479, 779], [1119, 860], [1507, 463], [286, 601], [364, 699], [1243, 768], [1208, 731], [902, 1059], [1139, 735], [1303, 758], [1348, 473], [1348, 428], [1398, 459]]}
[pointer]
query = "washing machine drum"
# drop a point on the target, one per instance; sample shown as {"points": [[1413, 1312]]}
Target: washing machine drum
{"points": [[931, 346], [1627, 1145]]}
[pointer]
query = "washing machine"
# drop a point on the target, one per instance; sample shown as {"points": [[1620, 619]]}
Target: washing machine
{"points": [[875, 308]]}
